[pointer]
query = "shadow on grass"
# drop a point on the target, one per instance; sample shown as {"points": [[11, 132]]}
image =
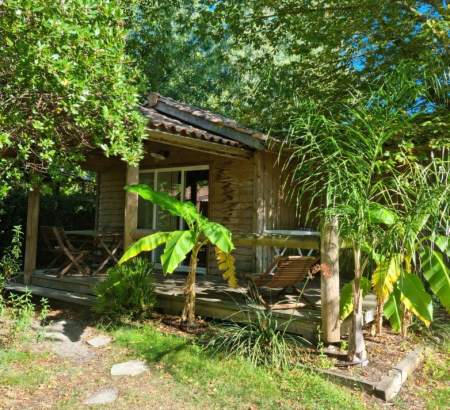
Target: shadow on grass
{"points": [[231, 382]]}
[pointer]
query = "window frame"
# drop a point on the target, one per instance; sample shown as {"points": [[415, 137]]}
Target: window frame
{"points": [[183, 170]]}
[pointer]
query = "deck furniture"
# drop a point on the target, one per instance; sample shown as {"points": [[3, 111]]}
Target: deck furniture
{"points": [[51, 246], [107, 245], [74, 256], [110, 243], [284, 274]]}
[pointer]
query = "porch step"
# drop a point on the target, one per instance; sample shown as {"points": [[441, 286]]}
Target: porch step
{"points": [[77, 284], [62, 295]]}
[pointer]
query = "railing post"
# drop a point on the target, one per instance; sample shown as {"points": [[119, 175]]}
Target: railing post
{"points": [[329, 282], [259, 210], [131, 207], [31, 236]]}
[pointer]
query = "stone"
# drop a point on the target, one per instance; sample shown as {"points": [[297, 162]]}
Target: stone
{"points": [[103, 396], [131, 368], [73, 350], [56, 337], [99, 341]]}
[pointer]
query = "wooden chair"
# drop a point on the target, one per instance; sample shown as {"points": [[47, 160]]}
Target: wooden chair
{"points": [[285, 273], [74, 255], [51, 246]]}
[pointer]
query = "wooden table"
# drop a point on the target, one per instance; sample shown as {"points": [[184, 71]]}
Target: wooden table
{"points": [[108, 242]]}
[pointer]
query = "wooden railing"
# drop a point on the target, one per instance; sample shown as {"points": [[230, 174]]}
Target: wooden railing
{"points": [[275, 239]]}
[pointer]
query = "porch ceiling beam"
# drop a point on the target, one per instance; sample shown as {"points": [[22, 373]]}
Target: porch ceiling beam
{"points": [[209, 126], [199, 145]]}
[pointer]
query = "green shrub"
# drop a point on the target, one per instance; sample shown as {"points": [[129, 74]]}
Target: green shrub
{"points": [[263, 341], [10, 261], [127, 291]]}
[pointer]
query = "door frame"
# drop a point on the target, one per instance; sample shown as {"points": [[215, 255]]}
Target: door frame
{"points": [[182, 169]]}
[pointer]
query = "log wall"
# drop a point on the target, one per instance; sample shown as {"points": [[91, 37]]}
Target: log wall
{"points": [[245, 195]]}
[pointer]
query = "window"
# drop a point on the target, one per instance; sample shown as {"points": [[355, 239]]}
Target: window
{"points": [[184, 183]]}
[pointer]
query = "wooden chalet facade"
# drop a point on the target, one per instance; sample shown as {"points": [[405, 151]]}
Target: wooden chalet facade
{"points": [[227, 170], [232, 175]]}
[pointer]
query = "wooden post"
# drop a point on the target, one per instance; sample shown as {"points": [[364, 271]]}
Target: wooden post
{"points": [[31, 237], [329, 283], [259, 209], [131, 207]]}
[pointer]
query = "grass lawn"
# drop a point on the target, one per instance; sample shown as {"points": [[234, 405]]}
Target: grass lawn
{"points": [[233, 383], [184, 376]]}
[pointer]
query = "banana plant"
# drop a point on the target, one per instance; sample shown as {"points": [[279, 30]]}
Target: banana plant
{"points": [[410, 296], [178, 244]]}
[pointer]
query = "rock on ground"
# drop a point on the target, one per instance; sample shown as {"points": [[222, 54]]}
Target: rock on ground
{"points": [[103, 396], [99, 341], [131, 368]]}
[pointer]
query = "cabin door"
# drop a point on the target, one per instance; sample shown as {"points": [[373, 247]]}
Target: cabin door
{"points": [[186, 184]]}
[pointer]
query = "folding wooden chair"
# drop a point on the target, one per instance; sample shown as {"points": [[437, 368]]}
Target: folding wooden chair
{"points": [[51, 246], [75, 256], [285, 273]]}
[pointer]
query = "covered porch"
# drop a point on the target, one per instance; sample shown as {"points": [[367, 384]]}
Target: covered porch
{"points": [[215, 299], [244, 192]]}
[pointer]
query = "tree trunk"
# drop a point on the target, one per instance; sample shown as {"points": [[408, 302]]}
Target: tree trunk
{"points": [[356, 346], [379, 317], [188, 315], [329, 284], [406, 321]]}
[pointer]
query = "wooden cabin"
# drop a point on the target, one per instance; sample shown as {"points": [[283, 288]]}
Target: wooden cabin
{"points": [[232, 175], [226, 170]]}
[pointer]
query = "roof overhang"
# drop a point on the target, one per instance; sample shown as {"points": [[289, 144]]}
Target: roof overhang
{"points": [[196, 144]]}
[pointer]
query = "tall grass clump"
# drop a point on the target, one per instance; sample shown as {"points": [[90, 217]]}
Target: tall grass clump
{"points": [[262, 340]]}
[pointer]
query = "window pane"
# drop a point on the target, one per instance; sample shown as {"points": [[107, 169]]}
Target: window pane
{"points": [[145, 208], [169, 182]]}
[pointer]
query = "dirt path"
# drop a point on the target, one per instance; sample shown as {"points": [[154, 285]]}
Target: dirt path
{"points": [[62, 371]]}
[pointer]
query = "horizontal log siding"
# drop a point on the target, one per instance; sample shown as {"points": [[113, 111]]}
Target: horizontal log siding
{"points": [[279, 211], [111, 199], [230, 203]]}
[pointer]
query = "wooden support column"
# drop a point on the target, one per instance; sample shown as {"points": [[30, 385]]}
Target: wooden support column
{"points": [[259, 209], [31, 236], [131, 207], [329, 255]]}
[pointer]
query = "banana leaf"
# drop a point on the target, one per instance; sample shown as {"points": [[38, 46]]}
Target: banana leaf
{"points": [[437, 273], [393, 310], [178, 245], [415, 297], [145, 244]]}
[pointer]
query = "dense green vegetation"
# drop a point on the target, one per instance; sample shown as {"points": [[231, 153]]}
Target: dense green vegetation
{"points": [[257, 60], [68, 87]]}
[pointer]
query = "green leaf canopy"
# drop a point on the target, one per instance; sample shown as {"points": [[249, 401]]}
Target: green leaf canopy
{"points": [[67, 87]]}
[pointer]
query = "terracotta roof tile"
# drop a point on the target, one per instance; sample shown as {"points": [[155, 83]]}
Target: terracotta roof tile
{"points": [[164, 122]]}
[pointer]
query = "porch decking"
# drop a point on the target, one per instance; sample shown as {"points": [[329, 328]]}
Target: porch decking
{"points": [[215, 300]]}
